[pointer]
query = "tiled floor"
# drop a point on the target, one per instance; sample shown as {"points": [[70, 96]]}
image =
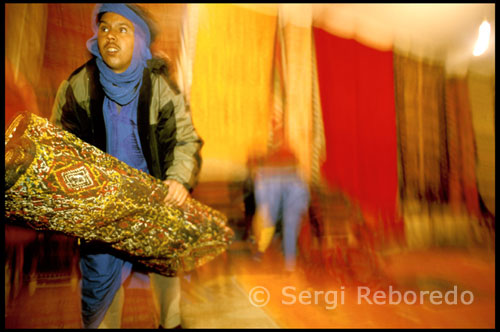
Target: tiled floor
{"points": [[217, 295]]}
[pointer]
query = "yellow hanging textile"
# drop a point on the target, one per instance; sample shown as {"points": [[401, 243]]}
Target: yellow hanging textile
{"points": [[231, 88]]}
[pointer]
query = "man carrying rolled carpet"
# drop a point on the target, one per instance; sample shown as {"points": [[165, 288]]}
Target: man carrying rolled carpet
{"points": [[123, 102]]}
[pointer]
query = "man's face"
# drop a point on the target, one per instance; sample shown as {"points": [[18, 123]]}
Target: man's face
{"points": [[116, 41]]}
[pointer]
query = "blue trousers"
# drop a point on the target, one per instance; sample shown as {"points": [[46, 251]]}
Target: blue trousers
{"points": [[102, 275], [283, 195]]}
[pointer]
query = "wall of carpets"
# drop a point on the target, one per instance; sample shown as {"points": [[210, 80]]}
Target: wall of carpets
{"points": [[444, 156], [392, 131]]}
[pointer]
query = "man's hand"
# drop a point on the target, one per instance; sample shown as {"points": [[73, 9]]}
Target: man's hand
{"points": [[177, 193]]}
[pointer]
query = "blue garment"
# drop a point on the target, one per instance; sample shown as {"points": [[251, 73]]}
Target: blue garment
{"points": [[122, 135], [124, 87], [284, 195], [100, 282], [102, 272]]}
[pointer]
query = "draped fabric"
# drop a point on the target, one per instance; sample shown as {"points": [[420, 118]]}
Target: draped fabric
{"points": [[296, 113], [277, 130], [232, 81], [357, 98], [57, 182], [461, 146], [318, 143], [187, 43], [419, 95], [25, 35], [482, 99], [68, 29], [19, 94], [298, 109]]}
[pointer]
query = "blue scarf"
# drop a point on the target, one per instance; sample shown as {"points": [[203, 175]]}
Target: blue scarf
{"points": [[124, 87]]}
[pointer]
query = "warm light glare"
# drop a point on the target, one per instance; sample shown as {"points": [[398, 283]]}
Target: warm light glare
{"points": [[483, 39]]}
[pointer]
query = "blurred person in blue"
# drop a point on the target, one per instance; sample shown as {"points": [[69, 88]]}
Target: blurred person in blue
{"points": [[281, 193], [123, 102]]}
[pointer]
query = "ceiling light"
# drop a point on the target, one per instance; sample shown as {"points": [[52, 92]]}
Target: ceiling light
{"points": [[483, 39]]}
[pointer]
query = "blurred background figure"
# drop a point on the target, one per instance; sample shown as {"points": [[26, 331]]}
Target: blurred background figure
{"points": [[280, 193]]}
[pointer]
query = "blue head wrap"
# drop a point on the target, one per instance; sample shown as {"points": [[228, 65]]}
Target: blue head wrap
{"points": [[123, 87]]}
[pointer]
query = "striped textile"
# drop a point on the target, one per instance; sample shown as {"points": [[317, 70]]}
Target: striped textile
{"points": [[277, 130], [298, 108], [422, 141], [318, 142], [461, 147]]}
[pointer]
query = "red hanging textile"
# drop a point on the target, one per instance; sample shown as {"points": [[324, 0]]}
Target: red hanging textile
{"points": [[357, 97]]}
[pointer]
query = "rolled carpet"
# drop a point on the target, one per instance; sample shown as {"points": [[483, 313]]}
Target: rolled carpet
{"points": [[55, 181]]}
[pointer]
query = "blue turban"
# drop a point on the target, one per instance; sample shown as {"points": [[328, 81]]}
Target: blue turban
{"points": [[123, 87]]}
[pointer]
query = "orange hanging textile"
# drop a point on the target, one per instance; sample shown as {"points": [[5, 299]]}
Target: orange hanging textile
{"points": [[55, 181]]}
